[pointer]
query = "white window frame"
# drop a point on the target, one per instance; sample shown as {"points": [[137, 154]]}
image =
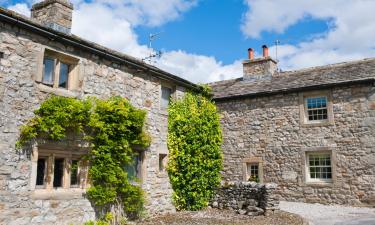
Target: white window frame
{"points": [[308, 175], [304, 118], [307, 109]]}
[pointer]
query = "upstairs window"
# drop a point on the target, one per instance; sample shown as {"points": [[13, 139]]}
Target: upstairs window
{"points": [[134, 168], [166, 94], [317, 108], [59, 70]]}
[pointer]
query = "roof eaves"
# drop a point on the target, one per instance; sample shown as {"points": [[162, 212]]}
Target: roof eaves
{"points": [[26, 23], [296, 89]]}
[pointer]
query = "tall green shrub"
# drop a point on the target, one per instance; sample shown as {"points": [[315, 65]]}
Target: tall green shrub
{"points": [[194, 142]]}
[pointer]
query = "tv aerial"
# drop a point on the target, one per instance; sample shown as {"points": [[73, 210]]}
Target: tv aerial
{"points": [[151, 59]]}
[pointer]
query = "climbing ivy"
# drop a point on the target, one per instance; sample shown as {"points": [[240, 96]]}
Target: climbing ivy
{"points": [[112, 127], [194, 141]]}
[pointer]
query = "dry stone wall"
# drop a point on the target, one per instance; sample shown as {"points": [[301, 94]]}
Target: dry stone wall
{"points": [[269, 128], [20, 94], [246, 198]]}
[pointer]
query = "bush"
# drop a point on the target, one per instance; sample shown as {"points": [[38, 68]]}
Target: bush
{"points": [[194, 142]]}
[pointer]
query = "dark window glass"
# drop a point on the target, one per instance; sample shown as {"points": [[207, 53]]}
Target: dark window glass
{"points": [[41, 168], [165, 97], [254, 171], [63, 76], [74, 177], [58, 173], [317, 108], [49, 67], [133, 168]]}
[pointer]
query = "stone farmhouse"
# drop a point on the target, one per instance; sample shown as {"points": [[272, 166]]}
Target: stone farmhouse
{"points": [[311, 131], [40, 57]]}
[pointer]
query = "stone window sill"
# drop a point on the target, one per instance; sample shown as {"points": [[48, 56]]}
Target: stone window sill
{"points": [[57, 91], [319, 184], [162, 174], [321, 124], [58, 194]]}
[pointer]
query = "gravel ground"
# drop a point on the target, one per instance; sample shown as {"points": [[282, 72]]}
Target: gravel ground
{"points": [[223, 217], [318, 214]]}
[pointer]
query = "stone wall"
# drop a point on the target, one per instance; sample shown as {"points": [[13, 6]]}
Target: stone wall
{"points": [[270, 129], [20, 94], [248, 198]]}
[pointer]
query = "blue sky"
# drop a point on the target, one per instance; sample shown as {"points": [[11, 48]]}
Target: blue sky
{"points": [[206, 40]]}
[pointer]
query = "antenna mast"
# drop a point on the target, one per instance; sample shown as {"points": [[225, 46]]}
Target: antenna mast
{"points": [[153, 54], [277, 42]]}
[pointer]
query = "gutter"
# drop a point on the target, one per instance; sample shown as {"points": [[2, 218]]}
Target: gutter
{"points": [[112, 57], [297, 89]]}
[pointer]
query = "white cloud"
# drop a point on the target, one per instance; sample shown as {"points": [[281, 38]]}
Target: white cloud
{"points": [[199, 68], [350, 35], [111, 23], [21, 8]]}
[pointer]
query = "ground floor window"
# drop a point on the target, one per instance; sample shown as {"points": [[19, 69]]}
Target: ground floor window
{"points": [[319, 167], [253, 172], [59, 171]]}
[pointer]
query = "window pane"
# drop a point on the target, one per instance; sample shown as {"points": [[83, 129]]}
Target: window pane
{"points": [[317, 108], [162, 162], [58, 173], [74, 173], [63, 76], [165, 97], [49, 67], [41, 168], [132, 169]]}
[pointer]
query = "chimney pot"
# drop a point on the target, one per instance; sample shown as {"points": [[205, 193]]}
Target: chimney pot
{"points": [[251, 53], [265, 51]]}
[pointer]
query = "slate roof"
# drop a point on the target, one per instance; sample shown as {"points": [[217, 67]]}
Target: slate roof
{"points": [[312, 78], [16, 19]]}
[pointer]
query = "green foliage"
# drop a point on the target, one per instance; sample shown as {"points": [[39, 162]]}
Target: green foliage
{"points": [[194, 142], [106, 220], [113, 127], [254, 179]]}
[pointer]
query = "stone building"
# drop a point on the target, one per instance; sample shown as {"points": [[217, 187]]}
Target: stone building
{"points": [[39, 57], [311, 131]]}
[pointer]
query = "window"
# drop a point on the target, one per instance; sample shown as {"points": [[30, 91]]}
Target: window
{"points": [[316, 108], [41, 172], [166, 94], [59, 70], [133, 169], [58, 171], [253, 172], [319, 167], [162, 162]]}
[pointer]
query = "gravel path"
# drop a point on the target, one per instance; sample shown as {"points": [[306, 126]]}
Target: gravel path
{"points": [[222, 217], [318, 214]]}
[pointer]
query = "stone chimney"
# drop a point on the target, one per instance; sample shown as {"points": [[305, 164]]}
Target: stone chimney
{"points": [[56, 14], [260, 68]]}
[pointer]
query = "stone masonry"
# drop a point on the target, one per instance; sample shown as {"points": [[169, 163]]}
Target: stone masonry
{"points": [[20, 94], [263, 122], [247, 198]]}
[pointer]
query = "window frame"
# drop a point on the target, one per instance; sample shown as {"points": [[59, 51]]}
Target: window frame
{"points": [[305, 164], [172, 96], [72, 82], [308, 167], [306, 108], [50, 155], [304, 118], [248, 162]]}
